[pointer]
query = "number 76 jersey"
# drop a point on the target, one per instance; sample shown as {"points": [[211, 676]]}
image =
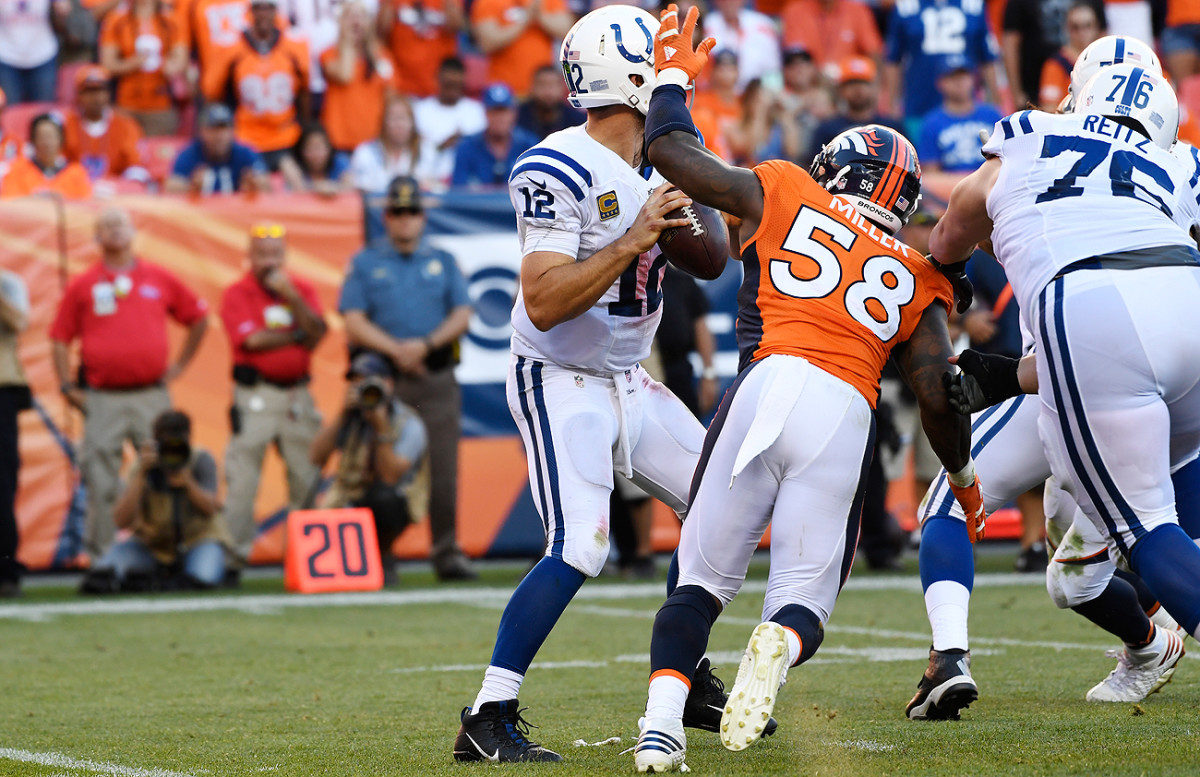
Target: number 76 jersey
{"points": [[1072, 187], [574, 196], [823, 283]]}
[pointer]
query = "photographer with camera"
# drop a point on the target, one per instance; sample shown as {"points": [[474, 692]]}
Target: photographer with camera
{"points": [[178, 536], [382, 443]]}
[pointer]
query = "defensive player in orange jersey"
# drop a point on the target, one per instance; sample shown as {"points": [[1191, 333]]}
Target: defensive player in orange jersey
{"points": [[829, 294]]}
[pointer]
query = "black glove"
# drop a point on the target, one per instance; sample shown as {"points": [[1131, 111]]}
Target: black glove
{"points": [[957, 275], [985, 379]]}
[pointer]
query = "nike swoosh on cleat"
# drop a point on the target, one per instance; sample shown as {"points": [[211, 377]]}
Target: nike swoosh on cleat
{"points": [[493, 757]]}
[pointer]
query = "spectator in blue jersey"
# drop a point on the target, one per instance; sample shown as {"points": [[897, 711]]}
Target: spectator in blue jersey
{"points": [[922, 32], [858, 104], [949, 137], [215, 163], [486, 159]]}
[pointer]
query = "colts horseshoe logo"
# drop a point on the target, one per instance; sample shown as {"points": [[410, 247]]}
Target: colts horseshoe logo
{"points": [[616, 28]]}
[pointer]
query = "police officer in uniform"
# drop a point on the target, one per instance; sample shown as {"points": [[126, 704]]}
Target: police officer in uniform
{"points": [[407, 300]]}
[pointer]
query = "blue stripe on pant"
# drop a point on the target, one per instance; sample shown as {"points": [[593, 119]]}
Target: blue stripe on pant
{"points": [[1069, 406], [983, 430], [543, 444]]}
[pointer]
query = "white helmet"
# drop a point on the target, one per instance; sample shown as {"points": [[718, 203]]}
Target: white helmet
{"points": [[1131, 91], [602, 53], [1106, 51]]}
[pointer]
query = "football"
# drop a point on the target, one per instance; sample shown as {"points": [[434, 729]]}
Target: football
{"points": [[702, 247]]}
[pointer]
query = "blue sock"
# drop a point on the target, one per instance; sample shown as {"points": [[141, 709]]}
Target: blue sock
{"points": [[807, 626], [1117, 611], [946, 552], [532, 612], [681, 630], [1169, 562], [1187, 498], [673, 573]]}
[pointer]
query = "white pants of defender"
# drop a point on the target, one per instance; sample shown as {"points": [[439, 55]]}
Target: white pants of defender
{"points": [[580, 427], [1119, 383], [789, 448]]}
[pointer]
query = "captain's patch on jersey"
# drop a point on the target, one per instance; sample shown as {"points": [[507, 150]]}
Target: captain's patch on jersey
{"points": [[608, 204]]}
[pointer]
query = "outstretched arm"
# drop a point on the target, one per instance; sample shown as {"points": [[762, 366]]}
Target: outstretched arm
{"points": [[966, 222], [672, 144]]}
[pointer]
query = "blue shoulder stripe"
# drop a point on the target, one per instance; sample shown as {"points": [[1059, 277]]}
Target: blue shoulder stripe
{"points": [[579, 169], [1006, 125], [549, 169], [1023, 120]]}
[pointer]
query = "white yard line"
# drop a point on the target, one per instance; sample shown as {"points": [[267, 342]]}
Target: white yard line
{"points": [[474, 595], [80, 766]]}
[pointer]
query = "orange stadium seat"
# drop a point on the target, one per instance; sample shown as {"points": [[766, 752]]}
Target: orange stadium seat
{"points": [[158, 154], [17, 117]]}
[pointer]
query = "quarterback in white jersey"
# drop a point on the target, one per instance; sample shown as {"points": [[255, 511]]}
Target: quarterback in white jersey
{"points": [[1088, 215], [589, 215]]}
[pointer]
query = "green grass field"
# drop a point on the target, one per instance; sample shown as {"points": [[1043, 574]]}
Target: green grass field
{"points": [[261, 683]]}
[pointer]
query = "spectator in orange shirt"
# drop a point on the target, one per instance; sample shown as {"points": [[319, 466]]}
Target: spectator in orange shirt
{"points": [[1180, 39], [518, 36], [266, 77], [1083, 27], [420, 36], [47, 171], [137, 46], [101, 139], [10, 145], [359, 76], [832, 30], [718, 104], [211, 29]]}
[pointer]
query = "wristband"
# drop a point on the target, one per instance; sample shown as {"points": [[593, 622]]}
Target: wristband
{"points": [[964, 477], [67, 388], [668, 112], [710, 373]]}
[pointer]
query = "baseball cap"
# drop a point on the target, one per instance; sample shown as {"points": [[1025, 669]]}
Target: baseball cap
{"points": [[725, 57], [403, 193], [216, 115], [498, 96], [90, 77], [369, 364], [856, 69], [792, 53], [952, 63]]}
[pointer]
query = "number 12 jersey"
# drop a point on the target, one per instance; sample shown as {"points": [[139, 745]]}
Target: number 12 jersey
{"points": [[823, 283], [575, 196]]}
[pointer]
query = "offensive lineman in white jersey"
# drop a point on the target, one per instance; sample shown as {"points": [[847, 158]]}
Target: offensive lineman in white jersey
{"points": [[588, 308], [1085, 214], [1007, 447]]}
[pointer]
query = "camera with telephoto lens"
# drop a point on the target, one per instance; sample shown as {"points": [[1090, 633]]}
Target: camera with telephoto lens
{"points": [[174, 453], [372, 392]]}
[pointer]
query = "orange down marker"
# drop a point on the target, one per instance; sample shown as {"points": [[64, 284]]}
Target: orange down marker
{"points": [[332, 550]]}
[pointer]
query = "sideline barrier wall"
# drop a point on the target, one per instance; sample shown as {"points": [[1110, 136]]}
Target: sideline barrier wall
{"points": [[204, 242]]}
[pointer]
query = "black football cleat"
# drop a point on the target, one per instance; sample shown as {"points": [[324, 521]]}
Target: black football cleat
{"points": [[945, 688], [706, 702], [498, 733]]}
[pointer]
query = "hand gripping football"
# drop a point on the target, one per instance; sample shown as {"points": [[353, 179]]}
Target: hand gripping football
{"points": [[702, 247]]}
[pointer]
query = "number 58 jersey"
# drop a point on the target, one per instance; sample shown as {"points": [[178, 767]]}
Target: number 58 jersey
{"points": [[1072, 187], [823, 283], [575, 196]]}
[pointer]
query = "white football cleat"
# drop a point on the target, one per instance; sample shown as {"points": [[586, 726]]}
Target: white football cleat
{"points": [[1140, 673], [763, 670], [661, 746]]}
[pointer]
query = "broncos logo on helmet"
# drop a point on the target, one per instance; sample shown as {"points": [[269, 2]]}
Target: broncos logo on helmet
{"points": [[874, 169]]}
